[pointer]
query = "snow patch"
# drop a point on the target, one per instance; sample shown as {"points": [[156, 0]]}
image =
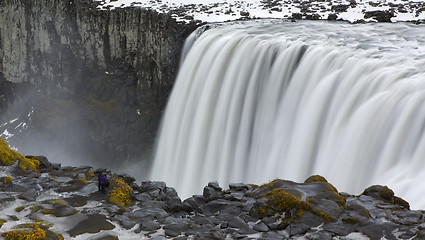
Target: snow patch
{"points": [[6, 134], [221, 10]]}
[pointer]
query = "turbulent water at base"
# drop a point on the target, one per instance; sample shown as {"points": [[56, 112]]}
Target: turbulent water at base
{"points": [[255, 101]]}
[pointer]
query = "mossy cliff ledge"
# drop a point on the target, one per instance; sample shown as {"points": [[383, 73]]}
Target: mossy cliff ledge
{"points": [[105, 75], [54, 202]]}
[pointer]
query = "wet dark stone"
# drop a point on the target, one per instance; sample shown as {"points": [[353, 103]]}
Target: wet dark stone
{"points": [[213, 207], [318, 235], [195, 202], [143, 197], [237, 222], [260, 227], [63, 210], [211, 193], [339, 8], [106, 237], [125, 221], [76, 200], [377, 231], [93, 224], [127, 178], [409, 217], [229, 212], [273, 236], [338, 229], [297, 229], [311, 219], [29, 195], [214, 185], [380, 16], [235, 196], [150, 226], [239, 187], [332, 16]]}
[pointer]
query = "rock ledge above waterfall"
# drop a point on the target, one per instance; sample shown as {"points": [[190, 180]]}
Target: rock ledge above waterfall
{"points": [[218, 10]]}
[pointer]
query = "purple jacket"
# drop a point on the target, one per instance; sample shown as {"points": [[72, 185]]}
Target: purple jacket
{"points": [[103, 179]]}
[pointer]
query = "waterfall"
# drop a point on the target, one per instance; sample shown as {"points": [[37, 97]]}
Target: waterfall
{"points": [[255, 101]]}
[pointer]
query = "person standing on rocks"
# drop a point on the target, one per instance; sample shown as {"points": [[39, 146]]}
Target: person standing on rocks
{"points": [[103, 182]]}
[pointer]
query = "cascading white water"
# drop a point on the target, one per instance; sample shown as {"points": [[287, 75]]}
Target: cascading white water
{"points": [[263, 100]]}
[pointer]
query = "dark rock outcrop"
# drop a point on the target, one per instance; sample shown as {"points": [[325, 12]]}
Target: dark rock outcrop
{"points": [[380, 16]]}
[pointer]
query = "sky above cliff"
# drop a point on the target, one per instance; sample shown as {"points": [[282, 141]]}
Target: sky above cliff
{"points": [[224, 10]]}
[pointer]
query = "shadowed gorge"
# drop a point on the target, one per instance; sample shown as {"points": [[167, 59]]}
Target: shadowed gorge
{"points": [[81, 85]]}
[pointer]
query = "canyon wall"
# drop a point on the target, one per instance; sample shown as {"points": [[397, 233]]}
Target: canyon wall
{"points": [[88, 83]]}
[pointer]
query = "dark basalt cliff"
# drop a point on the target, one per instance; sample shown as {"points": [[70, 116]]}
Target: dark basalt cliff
{"points": [[91, 81]]}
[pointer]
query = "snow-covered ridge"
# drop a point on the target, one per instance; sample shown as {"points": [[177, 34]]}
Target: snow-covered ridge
{"points": [[222, 10]]}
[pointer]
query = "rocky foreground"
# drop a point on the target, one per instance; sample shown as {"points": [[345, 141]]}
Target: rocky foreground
{"points": [[43, 200]]}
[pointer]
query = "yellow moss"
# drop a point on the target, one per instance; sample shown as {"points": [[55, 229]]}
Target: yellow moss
{"points": [[301, 208], [80, 180], [331, 187], [69, 170], [280, 200], [26, 232], [89, 175], [57, 236], [35, 208], [41, 223], [48, 211], [386, 193], [401, 202], [58, 201], [20, 208], [315, 179], [120, 195], [350, 220], [323, 215], [271, 183], [7, 155], [7, 179], [262, 211], [306, 206], [2, 221], [29, 164]]}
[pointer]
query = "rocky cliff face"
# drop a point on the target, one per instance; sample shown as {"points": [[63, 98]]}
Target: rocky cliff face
{"points": [[99, 79]]}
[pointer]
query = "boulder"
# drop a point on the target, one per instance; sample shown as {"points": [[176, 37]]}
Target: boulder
{"points": [[214, 185], [93, 224], [29, 195], [214, 207], [380, 15], [150, 226]]}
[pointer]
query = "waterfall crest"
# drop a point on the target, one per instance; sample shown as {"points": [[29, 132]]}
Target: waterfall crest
{"points": [[255, 102]]}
